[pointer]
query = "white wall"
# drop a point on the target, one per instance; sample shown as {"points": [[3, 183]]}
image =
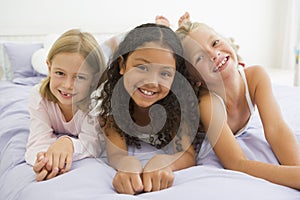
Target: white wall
{"points": [[256, 25]]}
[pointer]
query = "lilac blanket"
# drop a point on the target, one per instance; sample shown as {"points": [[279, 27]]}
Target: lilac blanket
{"points": [[90, 179]]}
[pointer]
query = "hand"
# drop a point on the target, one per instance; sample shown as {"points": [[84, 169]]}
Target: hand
{"points": [[59, 156], [157, 174], [40, 166], [128, 177]]}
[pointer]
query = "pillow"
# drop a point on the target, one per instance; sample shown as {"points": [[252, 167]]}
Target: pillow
{"points": [[38, 61], [19, 55], [39, 57]]}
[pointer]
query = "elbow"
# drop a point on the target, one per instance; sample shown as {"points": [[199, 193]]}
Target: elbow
{"points": [[236, 164]]}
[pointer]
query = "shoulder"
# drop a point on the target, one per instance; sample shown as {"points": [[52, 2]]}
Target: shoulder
{"points": [[256, 73], [258, 80], [211, 107], [35, 99], [35, 94]]}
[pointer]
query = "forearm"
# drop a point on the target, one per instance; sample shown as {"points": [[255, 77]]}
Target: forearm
{"points": [[90, 142], [182, 160], [284, 145], [279, 174], [177, 161]]}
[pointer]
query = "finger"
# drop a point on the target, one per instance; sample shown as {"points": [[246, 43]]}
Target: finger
{"points": [[55, 160], [167, 179], [49, 163], [171, 181], [137, 184], [156, 183], [38, 166], [40, 156], [118, 185], [68, 163], [53, 173], [62, 161], [147, 183], [164, 182], [127, 186], [41, 175]]}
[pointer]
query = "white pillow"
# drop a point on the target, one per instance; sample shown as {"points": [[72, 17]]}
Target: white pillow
{"points": [[38, 59]]}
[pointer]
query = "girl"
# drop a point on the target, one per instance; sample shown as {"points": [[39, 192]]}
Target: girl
{"points": [[228, 96], [143, 76], [60, 129]]}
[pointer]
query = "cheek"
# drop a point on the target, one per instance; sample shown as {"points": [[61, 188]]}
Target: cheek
{"points": [[128, 84]]}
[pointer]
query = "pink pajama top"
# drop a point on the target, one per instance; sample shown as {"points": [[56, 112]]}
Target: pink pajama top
{"points": [[47, 124]]}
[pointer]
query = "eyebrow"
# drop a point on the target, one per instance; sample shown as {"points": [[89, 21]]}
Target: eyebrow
{"points": [[77, 73], [146, 61]]}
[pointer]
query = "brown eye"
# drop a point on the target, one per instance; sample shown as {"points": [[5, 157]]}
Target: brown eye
{"points": [[216, 42]]}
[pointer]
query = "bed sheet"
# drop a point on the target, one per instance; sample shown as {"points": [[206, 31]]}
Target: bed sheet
{"points": [[91, 179]]}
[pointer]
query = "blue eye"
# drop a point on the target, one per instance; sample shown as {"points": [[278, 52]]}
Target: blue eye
{"points": [[166, 74], [199, 59], [59, 73], [81, 77], [142, 67]]}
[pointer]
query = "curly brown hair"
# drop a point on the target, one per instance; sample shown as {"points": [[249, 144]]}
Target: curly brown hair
{"points": [[134, 39]]}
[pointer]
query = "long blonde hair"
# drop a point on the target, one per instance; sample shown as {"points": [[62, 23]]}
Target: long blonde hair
{"points": [[75, 41]]}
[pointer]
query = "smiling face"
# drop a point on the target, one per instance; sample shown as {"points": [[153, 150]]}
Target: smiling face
{"points": [[210, 54], [148, 74], [70, 79]]}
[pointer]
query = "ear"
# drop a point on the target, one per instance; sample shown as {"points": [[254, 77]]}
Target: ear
{"points": [[122, 65], [49, 66], [198, 84]]}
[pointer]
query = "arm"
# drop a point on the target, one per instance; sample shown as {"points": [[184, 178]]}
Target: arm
{"points": [[127, 179], [158, 172], [281, 138], [230, 153], [90, 142], [41, 134]]}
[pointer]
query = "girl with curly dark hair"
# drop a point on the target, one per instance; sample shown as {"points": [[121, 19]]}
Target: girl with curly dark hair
{"points": [[144, 102]]}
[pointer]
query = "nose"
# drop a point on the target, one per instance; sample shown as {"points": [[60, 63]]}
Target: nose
{"points": [[152, 79], [68, 83], [214, 55]]}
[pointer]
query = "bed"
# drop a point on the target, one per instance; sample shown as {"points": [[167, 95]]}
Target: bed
{"points": [[91, 179]]}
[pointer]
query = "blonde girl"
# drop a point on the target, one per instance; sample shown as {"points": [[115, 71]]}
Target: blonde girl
{"points": [[229, 93], [60, 128]]}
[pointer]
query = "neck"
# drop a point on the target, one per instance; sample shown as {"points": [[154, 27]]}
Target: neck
{"points": [[68, 111], [141, 115], [231, 89], [234, 90]]}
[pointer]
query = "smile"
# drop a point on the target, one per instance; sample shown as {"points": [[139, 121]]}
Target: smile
{"points": [[219, 67], [66, 94], [146, 92]]}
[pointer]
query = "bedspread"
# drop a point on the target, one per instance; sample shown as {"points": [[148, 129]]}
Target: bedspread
{"points": [[91, 179]]}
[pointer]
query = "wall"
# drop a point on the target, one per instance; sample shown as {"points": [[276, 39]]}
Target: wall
{"points": [[256, 25]]}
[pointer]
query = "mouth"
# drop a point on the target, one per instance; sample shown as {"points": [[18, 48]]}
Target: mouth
{"points": [[66, 94], [146, 92], [221, 65]]}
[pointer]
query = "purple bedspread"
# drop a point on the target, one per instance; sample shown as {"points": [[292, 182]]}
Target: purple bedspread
{"points": [[90, 179]]}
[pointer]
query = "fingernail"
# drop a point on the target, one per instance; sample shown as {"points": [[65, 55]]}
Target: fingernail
{"points": [[41, 158], [45, 160]]}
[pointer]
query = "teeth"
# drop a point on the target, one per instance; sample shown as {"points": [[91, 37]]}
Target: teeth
{"points": [[147, 92], [66, 94], [222, 63]]}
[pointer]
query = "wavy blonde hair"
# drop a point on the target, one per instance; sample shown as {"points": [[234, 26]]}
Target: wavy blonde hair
{"points": [[75, 41], [189, 26]]}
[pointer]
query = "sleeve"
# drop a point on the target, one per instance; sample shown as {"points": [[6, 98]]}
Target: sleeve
{"points": [[90, 142], [41, 134]]}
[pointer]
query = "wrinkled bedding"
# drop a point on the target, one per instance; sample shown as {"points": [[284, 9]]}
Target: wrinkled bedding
{"points": [[91, 179]]}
